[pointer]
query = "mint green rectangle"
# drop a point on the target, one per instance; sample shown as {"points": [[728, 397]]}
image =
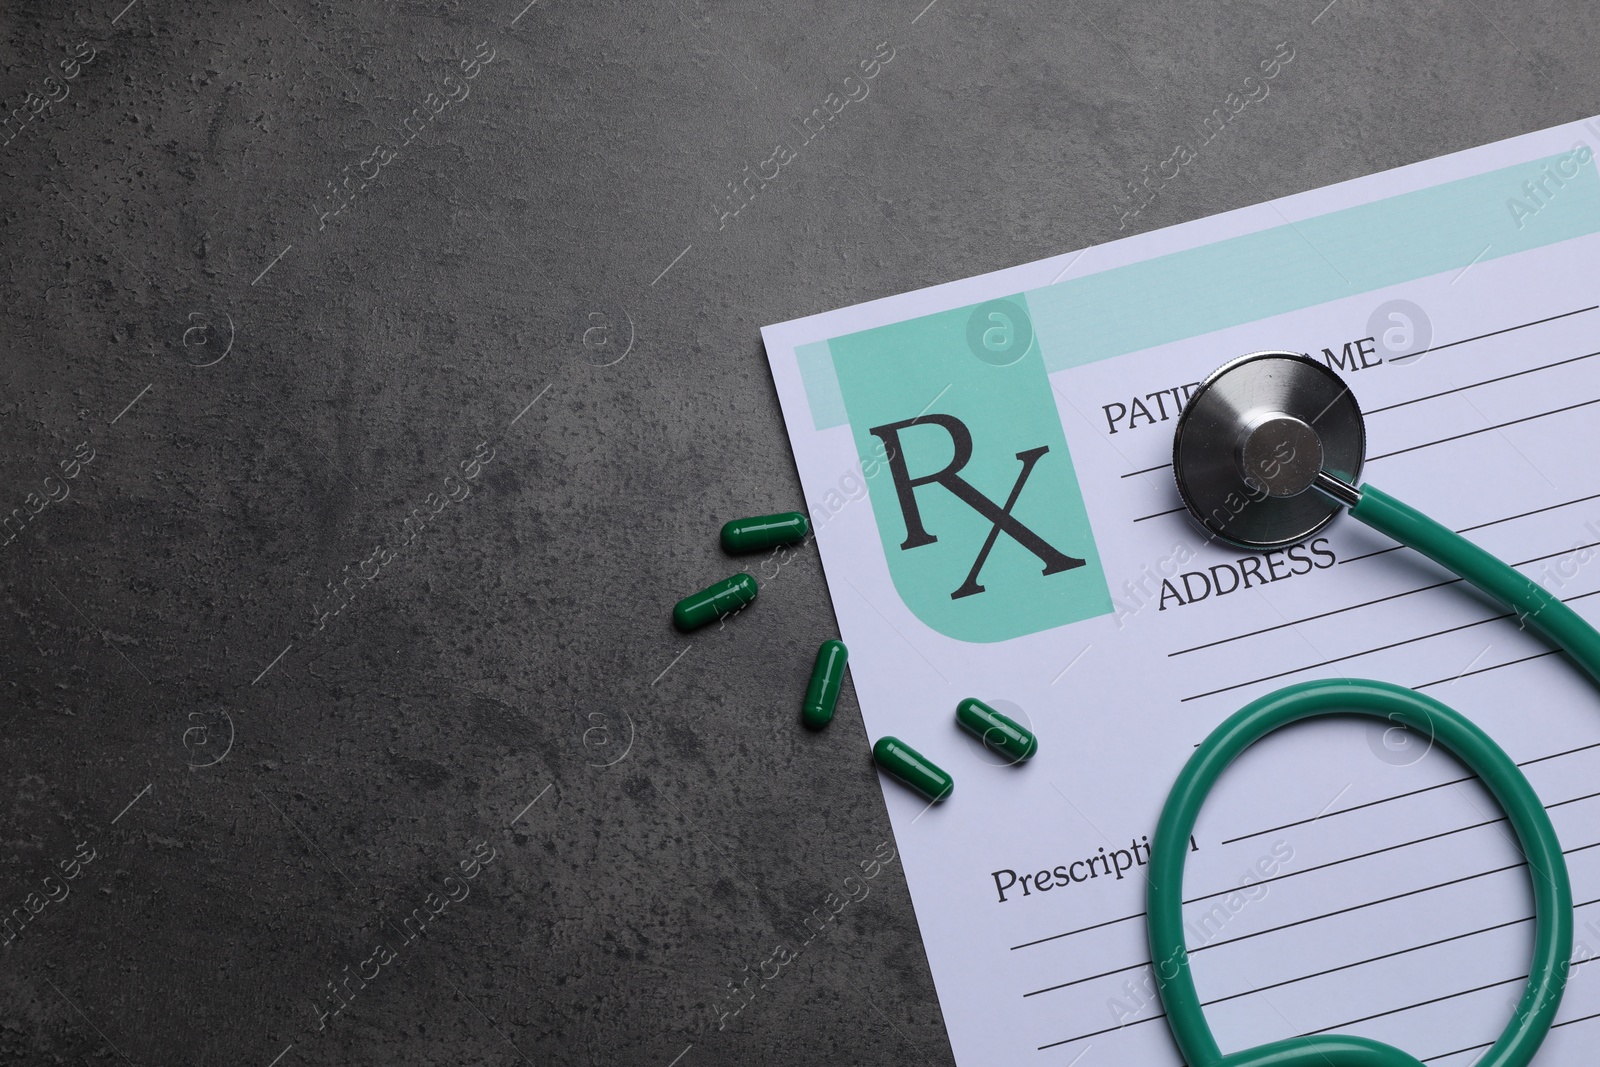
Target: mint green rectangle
{"points": [[821, 383], [992, 424], [1355, 250], [1343, 253]]}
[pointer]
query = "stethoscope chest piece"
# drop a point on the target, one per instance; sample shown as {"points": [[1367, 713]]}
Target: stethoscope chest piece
{"points": [[1251, 441]]}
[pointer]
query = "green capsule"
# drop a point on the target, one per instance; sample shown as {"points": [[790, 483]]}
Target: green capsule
{"points": [[913, 768], [714, 601], [764, 531], [826, 678], [995, 730]]}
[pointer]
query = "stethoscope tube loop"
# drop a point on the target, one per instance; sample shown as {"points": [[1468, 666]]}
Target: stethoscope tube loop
{"points": [[1535, 835]]}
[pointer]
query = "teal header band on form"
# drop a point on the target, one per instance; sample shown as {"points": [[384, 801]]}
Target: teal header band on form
{"points": [[1286, 268]]}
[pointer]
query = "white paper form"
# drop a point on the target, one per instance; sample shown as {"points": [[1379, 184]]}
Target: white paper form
{"points": [[986, 466]]}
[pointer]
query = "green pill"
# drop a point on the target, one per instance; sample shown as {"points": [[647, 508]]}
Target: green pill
{"points": [[913, 768], [995, 730], [826, 678], [764, 531], [714, 601]]}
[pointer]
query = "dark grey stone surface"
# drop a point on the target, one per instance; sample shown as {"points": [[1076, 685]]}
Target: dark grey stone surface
{"points": [[268, 789]]}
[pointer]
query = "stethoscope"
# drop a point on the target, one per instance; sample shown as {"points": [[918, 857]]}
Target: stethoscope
{"points": [[1266, 453]]}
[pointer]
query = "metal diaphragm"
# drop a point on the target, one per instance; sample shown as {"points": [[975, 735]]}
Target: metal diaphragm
{"points": [[1249, 444]]}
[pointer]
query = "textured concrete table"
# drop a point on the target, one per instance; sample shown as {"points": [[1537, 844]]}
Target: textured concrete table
{"points": [[377, 376]]}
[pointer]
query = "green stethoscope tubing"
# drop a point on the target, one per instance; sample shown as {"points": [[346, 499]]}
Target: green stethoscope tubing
{"points": [[1552, 893]]}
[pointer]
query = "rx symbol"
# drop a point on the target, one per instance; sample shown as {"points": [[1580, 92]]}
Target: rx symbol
{"points": [[1000, 518]]}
